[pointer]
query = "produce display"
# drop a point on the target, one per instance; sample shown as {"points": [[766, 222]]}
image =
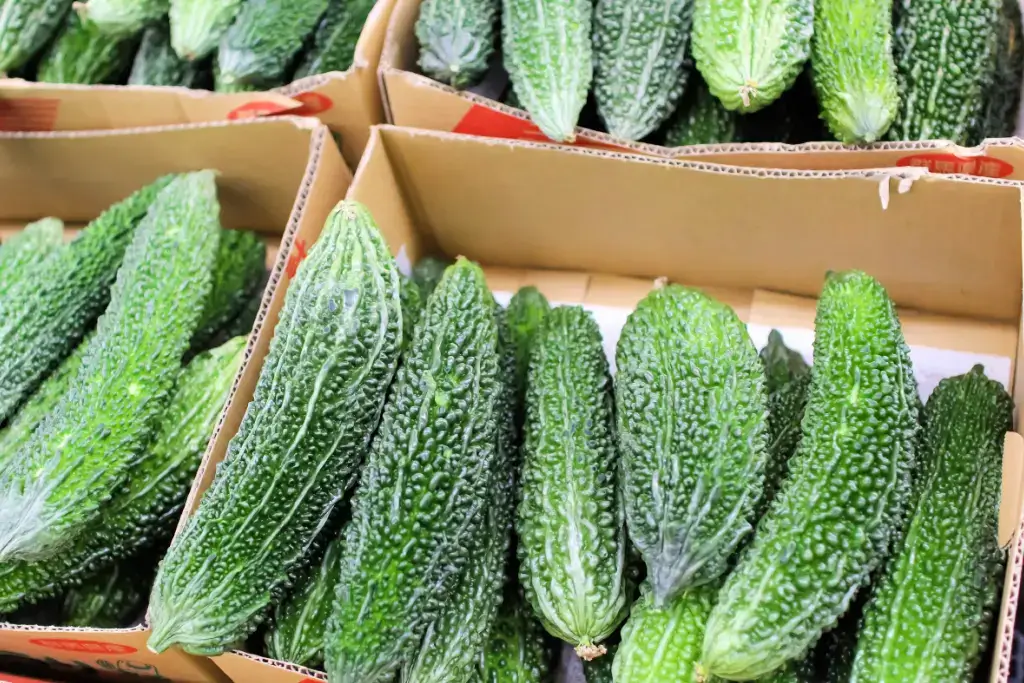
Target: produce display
{"points": [[685, 72], [230, 45]]}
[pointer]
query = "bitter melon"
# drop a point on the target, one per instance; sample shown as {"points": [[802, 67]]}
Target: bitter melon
{"points": [[316, 404], [639, 51], [111, 599], [300, 621], [600, 670], [334, 46], [525, 314], [258, 48], [1002, 100], [123, 17], [81, 54], [156, 62], [945, 62], [43, 319], [854, 73], [238, 269], [413, 303], [516, 650], [22, 253], [701, 119], [830, 526], [930, 616], [691, 407], [572, 543], [547, 52], [788, 379], [197, 25], [751, 51], [457, 39], [427, 272], [26, 26], [427, 477], [70, 467]]}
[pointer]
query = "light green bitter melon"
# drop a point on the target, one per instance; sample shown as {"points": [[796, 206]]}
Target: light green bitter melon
{"points": [[457, 39], [68, 470], [117, 18], [428, 476], [788, 378], [751, 51], [854, 72], [336, 38], [197, 25], [830, 526], [931, 614], [572, 542], [81, 54], [547, 52], [317, 402], [639, 53], [691, 407], [21, 255], [26, 26]]}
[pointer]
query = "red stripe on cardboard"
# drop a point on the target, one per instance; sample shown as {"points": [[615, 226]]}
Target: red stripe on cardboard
{"points": [[75, 645], [937, 162]]}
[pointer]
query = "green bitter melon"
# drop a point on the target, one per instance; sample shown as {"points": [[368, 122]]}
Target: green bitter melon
{"points": [[516, 650], [1002, 100], [237, 272], [156, 62], [26, 26], [21, 255], [82, 54], [701, 119], [427, 272], [788, 378], [457, 39], [110, 599], [197, 25], [526, 312], [334, 45], [118, 18]]}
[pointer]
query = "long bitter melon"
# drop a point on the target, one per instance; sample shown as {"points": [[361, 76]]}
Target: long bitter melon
{"points": [[43, 318], [457, 39], [197, 25], [788, 379], [22, 253], [639, 51], [82, 54], [691, 407], [572, 543], [830, 526], [427, 478], [156, 62], [1002, 100], [237, 271], [547, 51], [25, 28], [123, 17], [82, 451], [930, 616], [751, 51], [525, 314], [334, 46], [315, 406]]}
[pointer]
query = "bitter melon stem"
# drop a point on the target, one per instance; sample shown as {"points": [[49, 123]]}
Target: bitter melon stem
{"points": [[590, 651]]}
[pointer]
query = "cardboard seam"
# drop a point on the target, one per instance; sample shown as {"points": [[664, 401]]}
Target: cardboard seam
{"points": [[278, 664], [299, 122]]}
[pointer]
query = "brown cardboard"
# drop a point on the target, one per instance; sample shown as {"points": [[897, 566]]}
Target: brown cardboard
{"points": [[348, 102], [598, 228], [271, 173]]}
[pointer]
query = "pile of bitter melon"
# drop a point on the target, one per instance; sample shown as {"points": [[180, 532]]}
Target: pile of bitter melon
{"points": [[117, 353], [429, 486], [684, 72], [234, 45]]}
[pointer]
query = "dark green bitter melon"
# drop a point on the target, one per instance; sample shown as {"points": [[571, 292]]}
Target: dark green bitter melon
{"points": [[237, 272], [788, 379], [457, 39], [111, 599], [427, 272], [525, 314], [701, 119], [1002, 100], [82, 54], [26, 26], [517, 650], [336, 38], [156, 62]]}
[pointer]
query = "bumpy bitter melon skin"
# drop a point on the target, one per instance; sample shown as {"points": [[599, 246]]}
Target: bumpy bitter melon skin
{"points": [[701, 119], [516, 650], [334, 46], [930, 616], [111, 599], [429, 470], [945, 61], [156, 62], [457, 39], [21, 255], [117, 18], [427, 272], [82, 54], [25, 28], [43, 319], [237, 272], [691, 407], [751, 51], [854, 72], [639, 51], [316, 404], [261, 44], [831, 524], [547, 52], [526, 312], [297, 632], [572, 544], [82, 451], [1002, 100], [197, 25], [788, 378]]}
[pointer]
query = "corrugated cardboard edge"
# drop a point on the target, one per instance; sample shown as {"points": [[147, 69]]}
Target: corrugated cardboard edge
{"points": [[279, 668], [299, 122]]}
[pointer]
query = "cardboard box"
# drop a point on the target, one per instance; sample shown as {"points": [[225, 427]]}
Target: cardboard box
{"points": [[348, 102], [275, 176], [948, 248]]}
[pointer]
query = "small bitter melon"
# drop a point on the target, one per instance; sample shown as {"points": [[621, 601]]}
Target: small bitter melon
{"points": [[334, 45], [156, 62], [930, 616], [572, 542], [457, 39], [547, 52], [123, 17], [427, 478], [26, 26], [692, 415], [197, 25], [788, 378], [237, 272], [21, 255], [82, 54], [831, 524], [701, 119], [316, 404], [517, 650], [751, 51], [639, 52]]}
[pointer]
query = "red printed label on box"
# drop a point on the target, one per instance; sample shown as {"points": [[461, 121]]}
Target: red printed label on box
{"points": [[985, 166], [313, 103], [491, 123], [29, 113], [252, 110], [91, 646], [297, 256]]}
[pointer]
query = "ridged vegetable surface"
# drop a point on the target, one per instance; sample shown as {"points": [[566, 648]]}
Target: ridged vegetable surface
{"points": [[70, 467], [788, 378], [43, 319], [691, 407], [334, 46], [854, 73], [572, 543], [197, 25], [751, 51], [156, 62], [945, 61], [315, 406], [25, 28], [21, 254], [701, 119], [258, 48], [831, 524], [516, 650], [639, 50], [123, 17], [111, 599], [237, 271], [427, 272], [547, 51], [457, 39], [526, 312], [930, 616], [300, 620], [1002, 100], [81, 54], [419, 494]]}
